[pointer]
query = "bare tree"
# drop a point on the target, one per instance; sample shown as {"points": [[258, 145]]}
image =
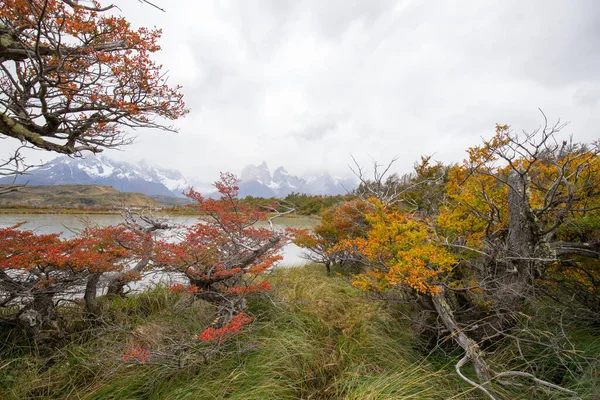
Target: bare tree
{"points": [[14, 165]]}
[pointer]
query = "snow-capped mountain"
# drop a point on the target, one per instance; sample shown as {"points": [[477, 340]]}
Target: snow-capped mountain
{"points": [[257, 181], [101, 170]]}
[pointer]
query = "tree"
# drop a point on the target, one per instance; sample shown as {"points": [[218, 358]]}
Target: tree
{"points": [[223, 256], [509, 200], [73, 77], [39, 271], [147, 228], [346, 221], [336, 238], [480, 254]]}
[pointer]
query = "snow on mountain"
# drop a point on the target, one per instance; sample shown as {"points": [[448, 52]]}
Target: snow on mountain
{"points": [[101, 170], [172, 179], [260, 174], [257, 181]]}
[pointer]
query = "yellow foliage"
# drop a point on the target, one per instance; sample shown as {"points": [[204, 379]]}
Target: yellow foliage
{"points": [[402, 251]]}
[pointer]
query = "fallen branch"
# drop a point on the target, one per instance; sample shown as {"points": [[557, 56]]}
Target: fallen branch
{"points": [[537, 381], [476, 385]]}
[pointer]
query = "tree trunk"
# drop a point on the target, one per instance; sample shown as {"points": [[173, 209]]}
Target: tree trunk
{"points": [[91, 289], [38, 319], [513, 282], [522, 230], [116, 285], [471, 348]]}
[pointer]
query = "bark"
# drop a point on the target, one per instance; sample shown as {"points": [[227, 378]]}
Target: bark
{"points": [[117, 285], [5, 189], [91, 289], [471, 348], [228, 306], [255, 254], [11, 48], [590, 250], [513, 281], [522, 233], [38, 319]]}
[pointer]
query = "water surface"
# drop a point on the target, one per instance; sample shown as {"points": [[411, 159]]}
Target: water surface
{"points": [[69, 224]]}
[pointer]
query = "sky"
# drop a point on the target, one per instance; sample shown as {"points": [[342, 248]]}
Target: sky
{"points": [[307, 84]]}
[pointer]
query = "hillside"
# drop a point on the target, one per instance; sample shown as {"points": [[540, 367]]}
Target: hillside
{"points": [[101, 170], [74, 196]]}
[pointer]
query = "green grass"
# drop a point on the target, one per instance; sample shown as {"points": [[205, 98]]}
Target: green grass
{"points": [[315, 337]]}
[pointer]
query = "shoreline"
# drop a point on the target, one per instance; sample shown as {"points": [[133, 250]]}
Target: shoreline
{"points": [[77, 211]]}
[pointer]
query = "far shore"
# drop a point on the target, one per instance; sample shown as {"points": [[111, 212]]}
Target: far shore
{"points": [[79, 211], [54, 211]]}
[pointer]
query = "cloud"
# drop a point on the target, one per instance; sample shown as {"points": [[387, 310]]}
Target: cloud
{"points": [[316, 130], [305, 84]]}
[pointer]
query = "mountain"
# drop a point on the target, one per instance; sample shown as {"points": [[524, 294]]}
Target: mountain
{"points": [[101, 170], [257, 181], [74, 196]]}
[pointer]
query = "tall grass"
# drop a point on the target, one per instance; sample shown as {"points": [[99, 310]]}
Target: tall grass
{"points": [[315, 337]]}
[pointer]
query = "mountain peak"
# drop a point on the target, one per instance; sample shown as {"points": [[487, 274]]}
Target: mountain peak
{"points": [[280, 175], [257, 181], [102, 170], [260, 173]]}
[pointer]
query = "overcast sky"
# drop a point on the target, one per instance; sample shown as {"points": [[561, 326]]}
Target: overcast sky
{"points": [[305, 84]]}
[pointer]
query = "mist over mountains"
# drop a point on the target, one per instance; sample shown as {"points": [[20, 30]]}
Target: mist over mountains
{"points": [[256, 180]]}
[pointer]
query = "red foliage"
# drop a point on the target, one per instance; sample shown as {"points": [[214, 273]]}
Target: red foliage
{"points": [[81, 76], [32, 265], [225, 244], [219, 335], [94, 250], [264, 286], [223, 254], [179, 288], [137, 352]]}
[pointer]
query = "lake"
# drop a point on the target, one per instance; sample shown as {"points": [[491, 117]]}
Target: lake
{"points": [[68, 224]]}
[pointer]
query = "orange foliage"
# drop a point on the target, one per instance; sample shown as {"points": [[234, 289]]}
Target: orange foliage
{"points": [[477, 192], [88, 75], [413, 250], [221, 334], [402, 251], [476, 206], [223, 254], [339, 223]]}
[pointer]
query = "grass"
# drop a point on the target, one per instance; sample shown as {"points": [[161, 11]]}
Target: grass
{"points": [[316, 337]]}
